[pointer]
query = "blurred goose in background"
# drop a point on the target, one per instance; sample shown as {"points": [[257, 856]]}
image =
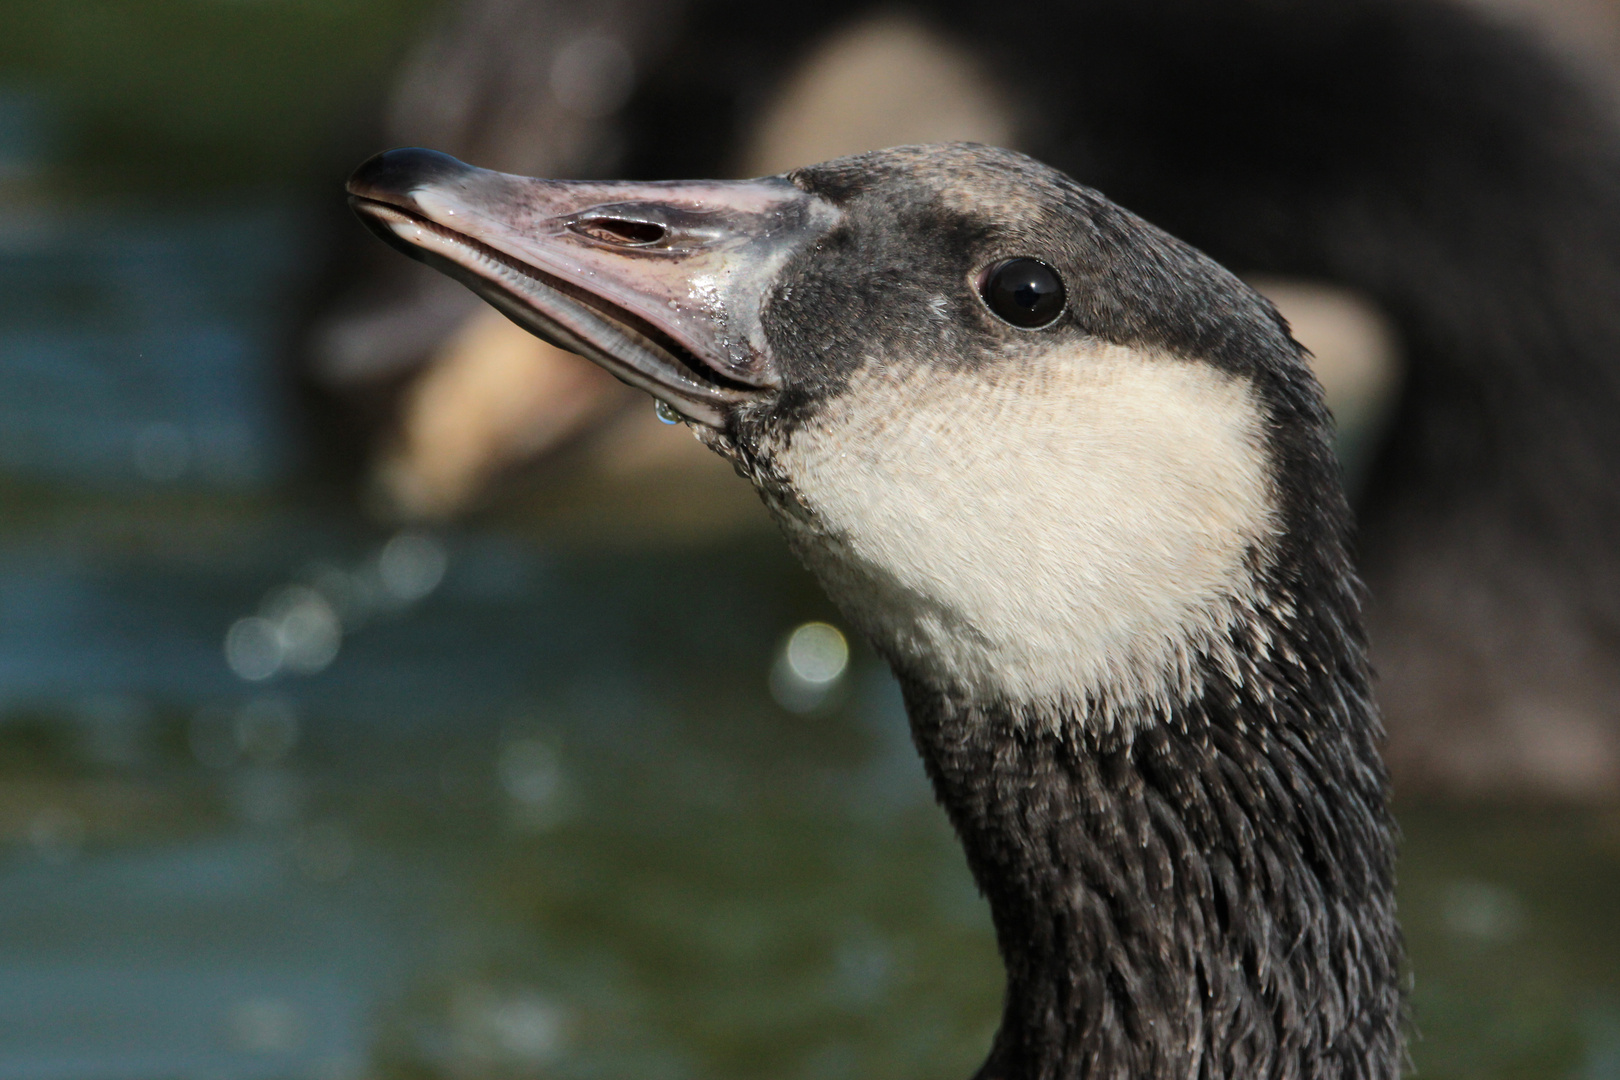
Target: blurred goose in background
{"points": [[1075, 483], [1430, 192]]}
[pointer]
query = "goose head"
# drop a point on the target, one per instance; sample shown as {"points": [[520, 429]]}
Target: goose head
{"points": [[1074, 481]]}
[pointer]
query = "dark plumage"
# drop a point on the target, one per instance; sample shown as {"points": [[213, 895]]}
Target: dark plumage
{"points": [[1173, 800]]}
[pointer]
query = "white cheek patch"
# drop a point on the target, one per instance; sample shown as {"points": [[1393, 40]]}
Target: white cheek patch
{"points": [[1072, 529]]}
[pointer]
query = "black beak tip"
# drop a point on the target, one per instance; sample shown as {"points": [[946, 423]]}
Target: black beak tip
{"points": [[392, 175]]}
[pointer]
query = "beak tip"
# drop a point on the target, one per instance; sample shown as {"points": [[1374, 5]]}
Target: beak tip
{"points": [[393, 175]]}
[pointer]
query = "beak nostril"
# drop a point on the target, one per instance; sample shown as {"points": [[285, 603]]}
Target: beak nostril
{"points": [[615, 230]]}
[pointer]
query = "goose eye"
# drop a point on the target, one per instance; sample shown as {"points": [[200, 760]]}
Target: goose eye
{"points": [[1025, 292]]}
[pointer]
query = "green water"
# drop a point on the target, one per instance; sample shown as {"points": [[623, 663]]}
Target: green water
{"points": [[541, 816]]}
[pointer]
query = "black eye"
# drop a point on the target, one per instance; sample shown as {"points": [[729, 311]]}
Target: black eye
{"points": [[1025, 292]]}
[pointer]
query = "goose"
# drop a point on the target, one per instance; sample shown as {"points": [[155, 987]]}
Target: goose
{"points": [[1074, 482], [1432, 158]]}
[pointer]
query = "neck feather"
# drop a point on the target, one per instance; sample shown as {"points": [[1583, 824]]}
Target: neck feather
{"points": [[1207, 895]]}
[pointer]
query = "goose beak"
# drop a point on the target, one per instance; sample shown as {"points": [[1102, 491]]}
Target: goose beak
{"points": [[660, 283]]}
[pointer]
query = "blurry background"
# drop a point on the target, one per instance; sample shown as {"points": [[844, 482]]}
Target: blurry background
{"points": [[587, 783]]}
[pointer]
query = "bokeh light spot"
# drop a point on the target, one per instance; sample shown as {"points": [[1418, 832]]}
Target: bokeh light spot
{"points": [[308, 631], [412, 565], [810, 667], [253, 648], [817, 652]]}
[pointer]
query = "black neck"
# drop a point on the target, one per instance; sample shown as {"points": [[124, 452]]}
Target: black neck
{"points": [[1209, 897]]}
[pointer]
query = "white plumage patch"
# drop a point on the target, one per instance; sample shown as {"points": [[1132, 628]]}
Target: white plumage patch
{"points": [[1067, 529]]}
